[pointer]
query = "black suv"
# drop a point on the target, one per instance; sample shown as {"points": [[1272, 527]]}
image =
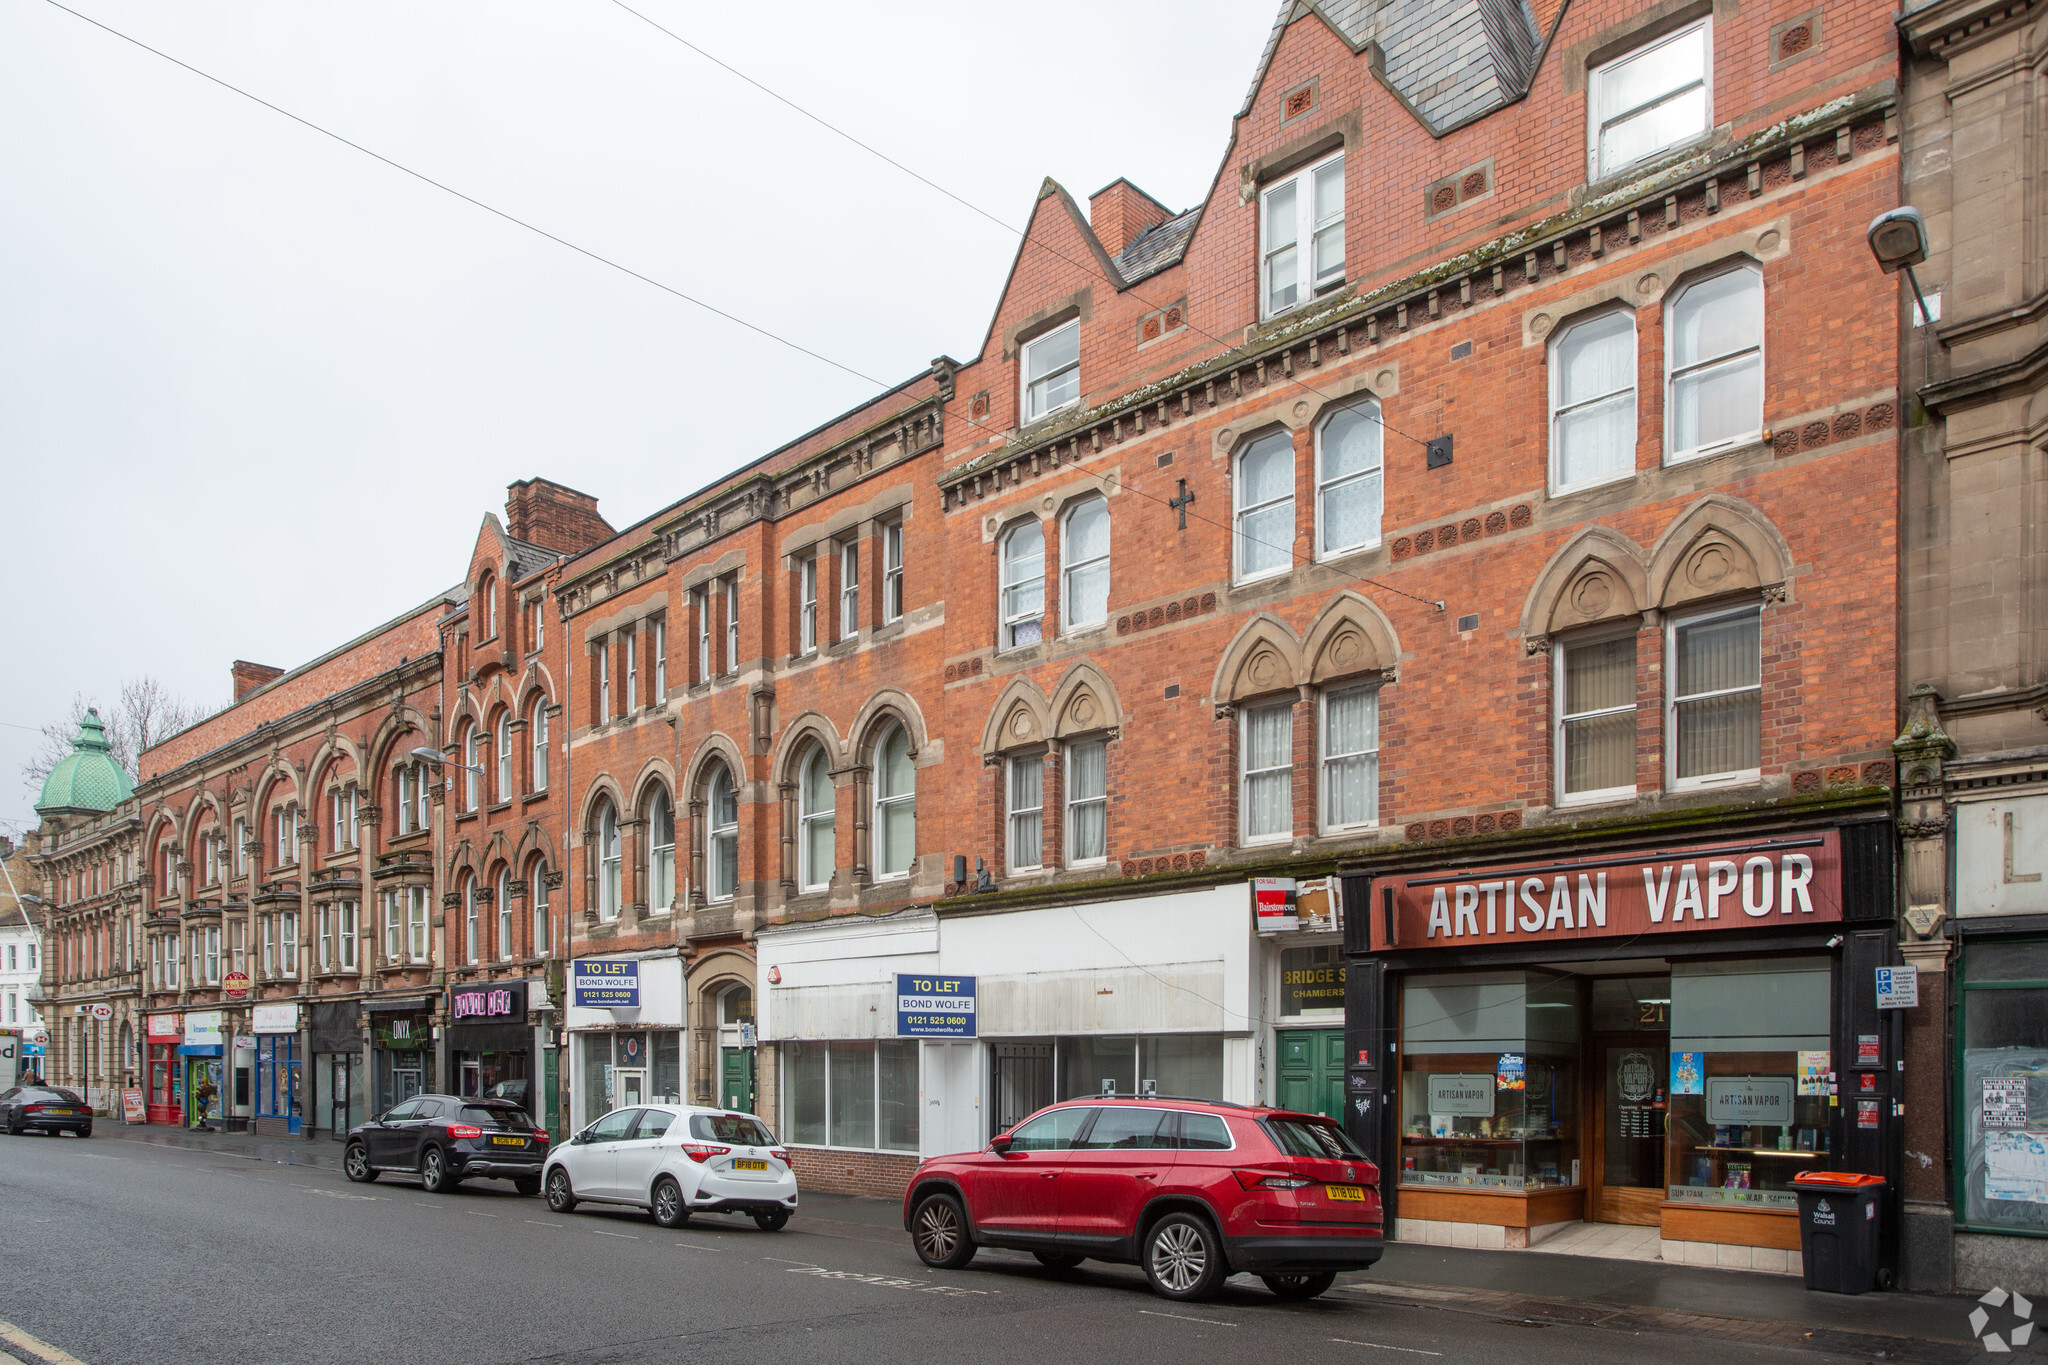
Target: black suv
{"points": [[44, 1109], [445, 1140]]}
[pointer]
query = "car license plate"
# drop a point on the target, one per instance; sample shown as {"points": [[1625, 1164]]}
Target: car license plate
{"points": [[748, 1164], [1350, 1192], [64, 1112], [508, 1142]]}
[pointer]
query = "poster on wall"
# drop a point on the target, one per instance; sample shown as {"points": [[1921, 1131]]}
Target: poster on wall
{"points": [[1688, 1073], [2016, 1166], [1814, 1065], [2005, 1102], [1511, 1071]]}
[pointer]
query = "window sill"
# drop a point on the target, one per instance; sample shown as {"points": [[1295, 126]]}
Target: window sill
{"points": [[1572, 490], [1267, 841], [1608, 797], [465, 817], [1085, 629], [1599, 182], [1351, 551], [532, 797], [1258, 580], [499, 807], [1752, 443], [1718, 782], [1350, 831]]}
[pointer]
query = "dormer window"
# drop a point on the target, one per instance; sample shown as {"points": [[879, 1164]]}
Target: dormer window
{"points": [[1644, 101], [1301, 236], [1052, 371]]}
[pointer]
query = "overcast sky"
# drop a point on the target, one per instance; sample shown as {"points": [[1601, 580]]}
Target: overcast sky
{"points": [[257, 390]]}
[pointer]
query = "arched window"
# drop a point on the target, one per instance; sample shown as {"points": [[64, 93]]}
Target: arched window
{"points": [[1084, 565], [1024, 585], [1265, 506], [540, 744], [504, 755], [1714, 364], [542, 942], [736, 1007], [487, 589], [469, 919], [505, 914], [608, 865], [895, 805], [1593, 401], [815, 847], [1348, 480], [724, 852], [472, 753], [661, 853]]}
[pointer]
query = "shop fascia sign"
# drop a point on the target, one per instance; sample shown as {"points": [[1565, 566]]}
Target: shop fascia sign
{"points": [[504, 1003], [165, 1026], [1752, 885], [202, 1028], [275, 1019]]}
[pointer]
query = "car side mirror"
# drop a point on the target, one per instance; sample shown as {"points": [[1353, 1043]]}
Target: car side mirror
{"points": [[1000, 1144]]}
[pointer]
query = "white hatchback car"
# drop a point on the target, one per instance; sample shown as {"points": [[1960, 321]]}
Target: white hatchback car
{"points": [[675, 1160]]}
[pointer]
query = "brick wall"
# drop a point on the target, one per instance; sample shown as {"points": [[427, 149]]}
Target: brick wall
{"points": [[828, 1171]]}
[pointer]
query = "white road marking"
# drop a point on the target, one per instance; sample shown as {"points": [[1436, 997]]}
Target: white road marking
{"points": [[1380, 1346], [539, 1224], [1212, 1322], [15, 1336], [885, 1281], [627, 1235], [777, 1259], [6, 1359], [474, 1214], [334, 1194]]}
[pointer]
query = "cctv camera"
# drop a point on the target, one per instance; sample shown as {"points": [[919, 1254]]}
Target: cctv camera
{"points": [[1898, 238]]}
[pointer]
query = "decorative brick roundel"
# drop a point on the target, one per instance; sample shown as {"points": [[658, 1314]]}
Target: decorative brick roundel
{"points": [[1462, 826], [1496, 522], [1813, 435], [1445, 198], [1847, 425], [1469, 529], [1878, 417], [1511, 819], [1879, 772], [1795, 40], [1447, 535], [1264, 669], [1439, 829], [1403, 547], [1416, 832], [1592, 595], [1708, 565], [1519, 515], [1180, 862], [1485, 824], [1425, 541], [1806, 782], [1130, 868], [1348, 650], [1473, 183]]}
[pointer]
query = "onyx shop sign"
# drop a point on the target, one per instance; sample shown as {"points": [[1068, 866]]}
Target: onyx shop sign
{"points": [[1750, 885]]}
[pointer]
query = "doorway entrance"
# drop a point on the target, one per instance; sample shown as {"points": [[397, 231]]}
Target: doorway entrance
{"points": [[1310, 1077], [1628, 1068], [629, 1087], [340, 1075]]}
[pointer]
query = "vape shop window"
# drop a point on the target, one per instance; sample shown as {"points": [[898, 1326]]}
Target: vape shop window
{"points": [[2002, 1108], [1489, 1081], [1749, 1069]]}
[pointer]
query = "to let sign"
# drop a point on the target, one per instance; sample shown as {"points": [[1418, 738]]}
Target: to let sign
{"points": [[606, 984], [934, 1006], [1795, 880]]}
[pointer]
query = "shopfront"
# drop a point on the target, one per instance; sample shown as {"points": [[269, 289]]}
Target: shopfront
{"points": [[401, 1048], [340, 1091], [625, 1032], [164, 1094], [1661, 1038], [279, 1109], [200, 1053], [490, 1040]]}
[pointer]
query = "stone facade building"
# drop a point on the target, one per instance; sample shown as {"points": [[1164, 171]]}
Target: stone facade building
{"points": [[1973, 752]]}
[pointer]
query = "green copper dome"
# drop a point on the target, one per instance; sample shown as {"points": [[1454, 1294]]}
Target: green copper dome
{"points": [[88, 778]]}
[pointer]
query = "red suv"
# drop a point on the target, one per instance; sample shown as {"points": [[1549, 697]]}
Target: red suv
{"points": [[1192, 1190]]}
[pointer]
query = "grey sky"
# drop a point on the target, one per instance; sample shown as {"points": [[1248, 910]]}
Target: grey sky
{"points": [[257, 390]]}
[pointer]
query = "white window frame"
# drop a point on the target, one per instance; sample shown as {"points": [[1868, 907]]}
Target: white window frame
{"points": [[504, 899], [1238, 539], [1007, 623], [472, 781], [1326, 761], [417, 911], [210, 941], [288, 941], [323, 938], [849, 590], [269, 946], [540, 626], [1324, 484], [1597, 76], [1026, 381], [502, 741], [1070, 624], [540, 744], [470, 946], [604, 680], [807, 608], [610, 864], [394, 926], [1558, 488], [1672, 454], [892, 572], [631, 698], [882, 805], [1068, 823], [288, 834], [1014, 814], [657, 902], [238, 857], [489, 589], [703, 604], [732, 623], [660, 660], [347, 933], [1739, 776], [1310, 284], [807, 879], [542, 941], [1559, 649], [718, 834], [1245, 774]]}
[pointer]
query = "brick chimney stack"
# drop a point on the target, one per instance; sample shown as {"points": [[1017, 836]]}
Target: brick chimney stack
{"points": [[1119, 211], [545, 513], [249, 677]]}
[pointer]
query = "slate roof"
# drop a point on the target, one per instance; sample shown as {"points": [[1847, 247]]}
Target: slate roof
{"points": [[1451, 60], [1157, 247], [523, 557]]}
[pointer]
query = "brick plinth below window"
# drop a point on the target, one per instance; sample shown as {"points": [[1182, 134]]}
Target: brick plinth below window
{"points": [[883, 1174]]}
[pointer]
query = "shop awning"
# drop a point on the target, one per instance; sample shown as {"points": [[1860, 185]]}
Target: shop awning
{"points": [[199, 1050]]}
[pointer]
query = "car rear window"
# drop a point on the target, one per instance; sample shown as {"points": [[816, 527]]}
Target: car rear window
{"points": [[1305, 1137], [736, 1129], [503, 1117], [1204, 1133], [1120, 1129], [52, 1095]]}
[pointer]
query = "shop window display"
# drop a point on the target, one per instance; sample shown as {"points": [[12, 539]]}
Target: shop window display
{"points": [[1748, 1083], [1489, 1081], [2002, 1078]]}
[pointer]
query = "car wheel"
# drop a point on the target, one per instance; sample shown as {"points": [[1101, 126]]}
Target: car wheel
{"points": [[1053, 1261], [772, 1222], [939, 1232], [527, 1185], [668, 1203], [1184, 1258], [1297, 1287], [85, 1131], [355, 1164], [434, 1177], [561, 1198], [13, 1126]]}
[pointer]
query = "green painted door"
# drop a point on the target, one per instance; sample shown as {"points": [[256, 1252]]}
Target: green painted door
{"points": [[1311, 1072], [736, 1079]]}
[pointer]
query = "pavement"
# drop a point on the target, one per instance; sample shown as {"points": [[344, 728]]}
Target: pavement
{"points": [[163, 1246]]}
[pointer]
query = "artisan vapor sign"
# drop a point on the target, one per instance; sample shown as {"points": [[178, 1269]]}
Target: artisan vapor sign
{"points": [[1752, 885]]}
